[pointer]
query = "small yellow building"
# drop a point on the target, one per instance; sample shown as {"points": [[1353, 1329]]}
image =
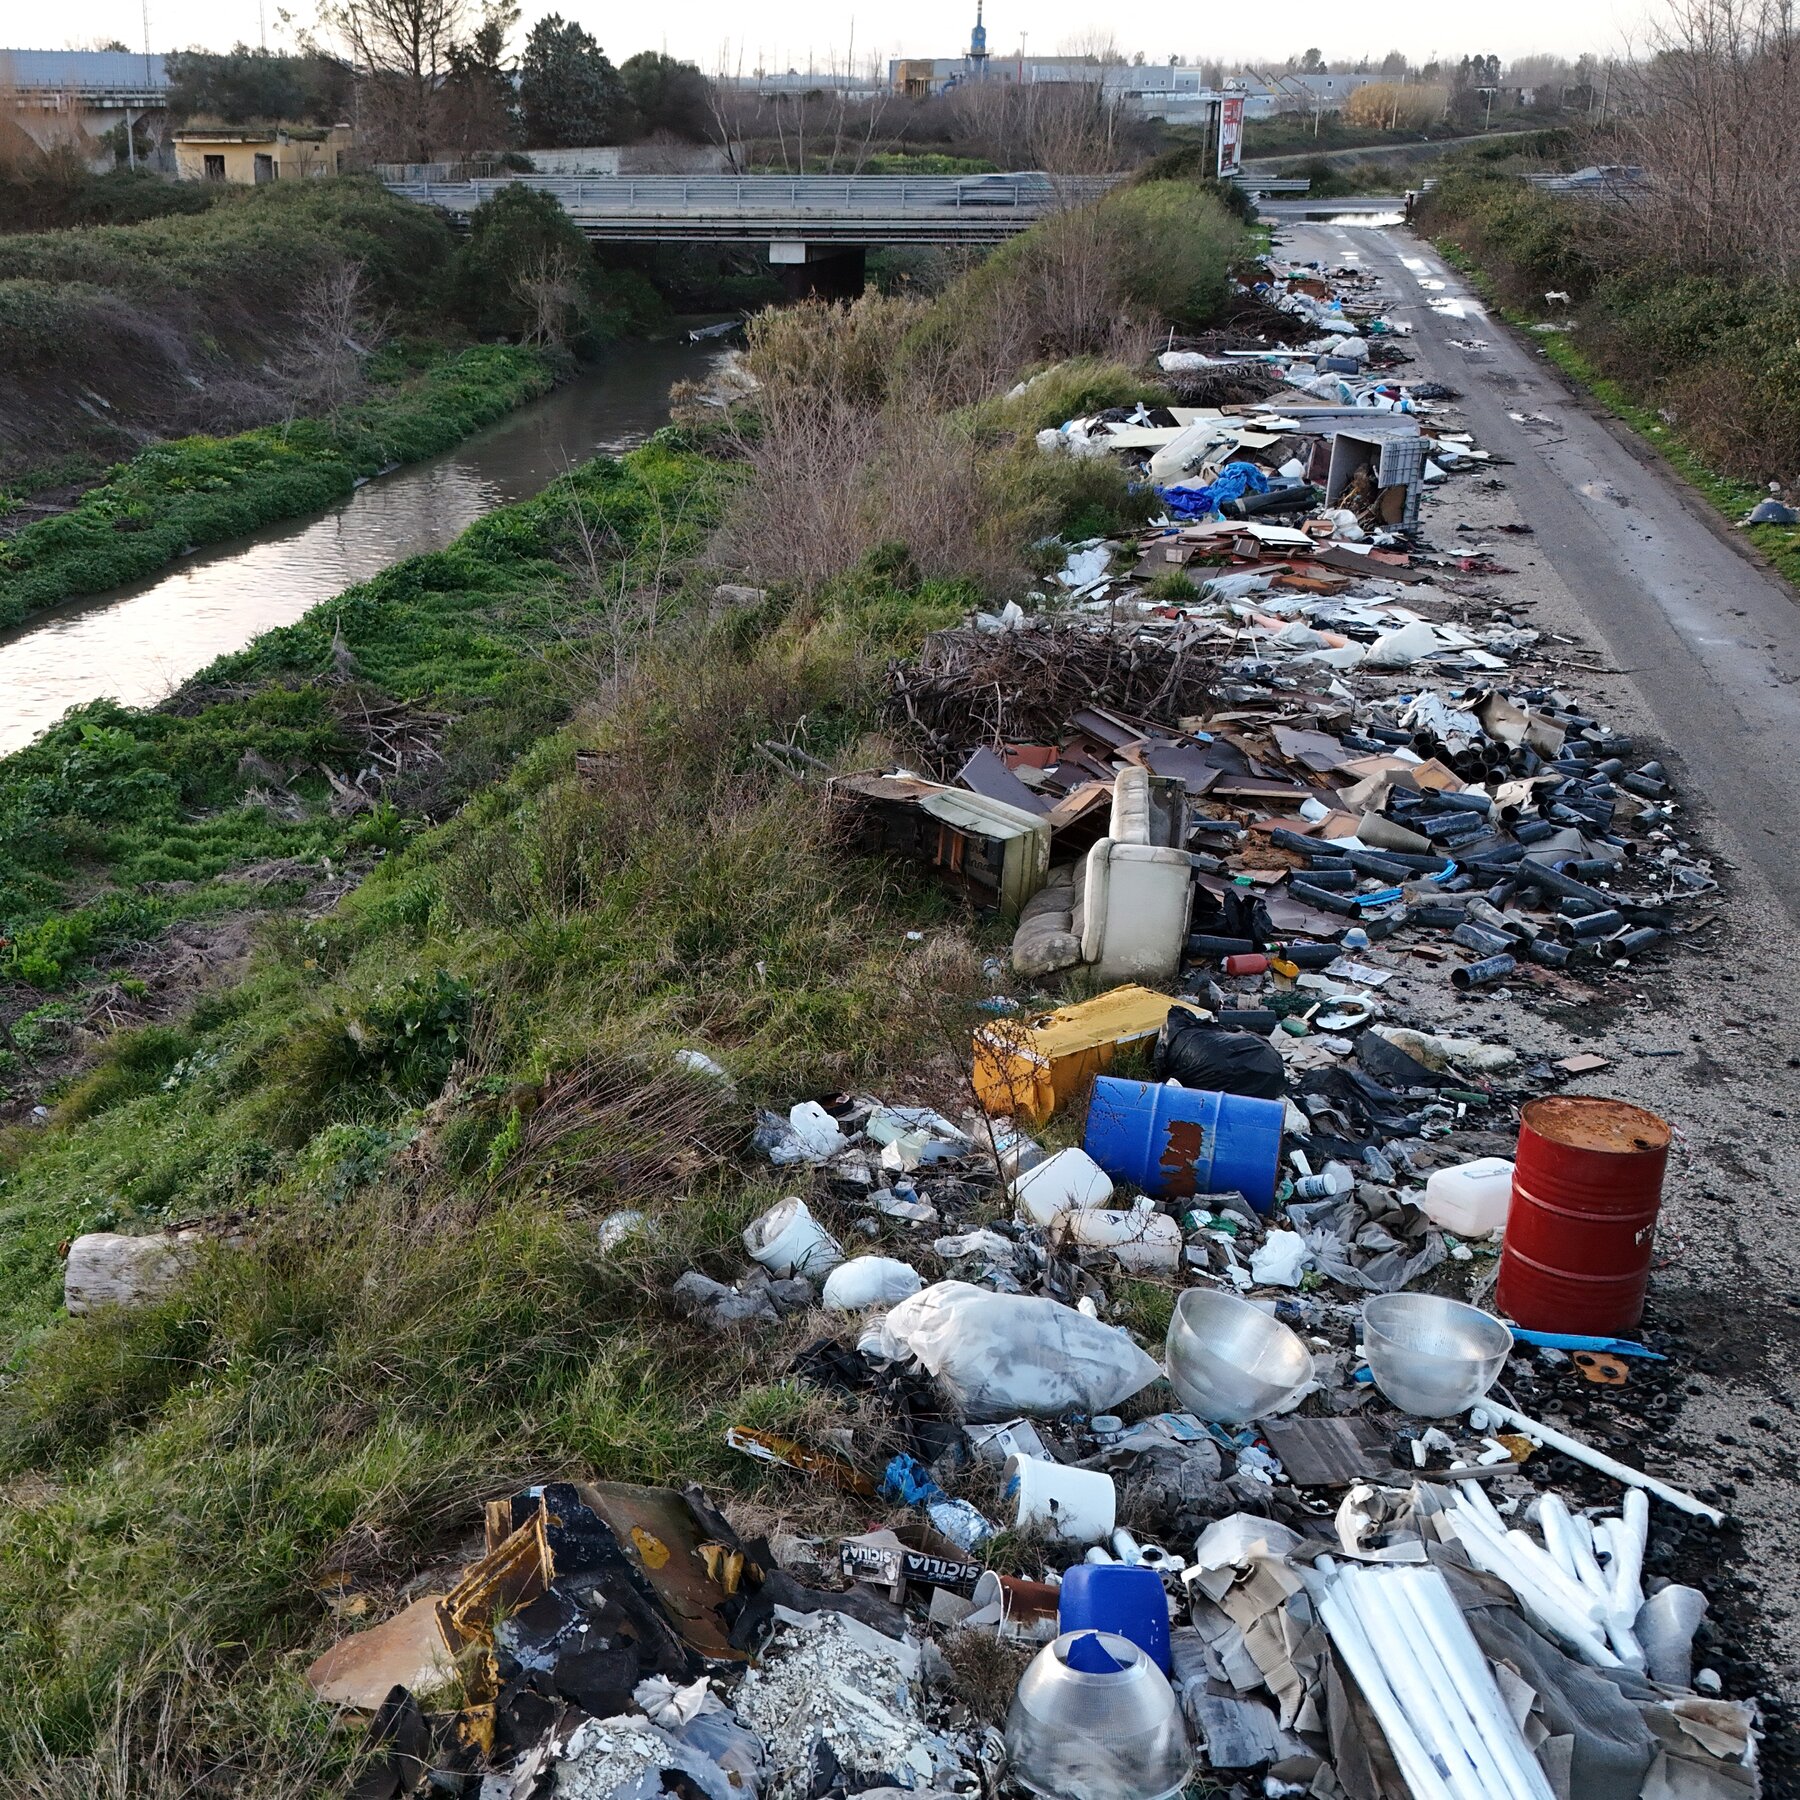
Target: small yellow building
{"points": [[250, 154]]}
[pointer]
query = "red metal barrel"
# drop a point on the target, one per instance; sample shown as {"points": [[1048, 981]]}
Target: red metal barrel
{"points": [[1587, 1183]]}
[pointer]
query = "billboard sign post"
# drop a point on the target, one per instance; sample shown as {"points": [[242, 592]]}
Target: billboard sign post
{"points": [[1231, 135]]}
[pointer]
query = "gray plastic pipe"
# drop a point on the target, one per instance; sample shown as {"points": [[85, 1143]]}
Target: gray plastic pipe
{"points": [[1596, 1459], [1668, 1622]]}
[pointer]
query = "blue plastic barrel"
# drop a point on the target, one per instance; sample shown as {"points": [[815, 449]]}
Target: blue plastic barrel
{"points": [[1128, 1602], [1175, 1140]]}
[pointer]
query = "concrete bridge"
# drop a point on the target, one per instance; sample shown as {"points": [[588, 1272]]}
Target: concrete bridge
{"points": [[816, 227]]}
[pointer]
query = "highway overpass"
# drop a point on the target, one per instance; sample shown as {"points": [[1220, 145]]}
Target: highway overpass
{"points": [[816, 227]]}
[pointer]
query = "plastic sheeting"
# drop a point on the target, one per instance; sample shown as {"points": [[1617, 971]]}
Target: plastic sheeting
{"points": [[1003, 1356], [1231, 483]]}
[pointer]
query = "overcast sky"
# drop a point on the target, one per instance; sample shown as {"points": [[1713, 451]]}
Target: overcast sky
{"points": [[794, 32]]}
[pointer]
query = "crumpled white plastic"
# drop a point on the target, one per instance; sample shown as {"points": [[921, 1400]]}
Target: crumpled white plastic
{"points": [[1005, 1356], [1280, 1260]]}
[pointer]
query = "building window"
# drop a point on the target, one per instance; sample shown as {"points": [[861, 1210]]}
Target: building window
{"points": [[215, 168]]}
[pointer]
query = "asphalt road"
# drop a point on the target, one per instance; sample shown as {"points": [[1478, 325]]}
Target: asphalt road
{"points": [[1659, 624], [1708, 637]]}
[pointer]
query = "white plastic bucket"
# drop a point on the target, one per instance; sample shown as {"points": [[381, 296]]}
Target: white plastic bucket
{"points": [[788, 1240], [1069, 1180], [1077, 1505], [866, 1281], [1143, 1243]]}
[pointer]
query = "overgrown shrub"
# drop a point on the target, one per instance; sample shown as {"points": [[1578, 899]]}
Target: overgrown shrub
{"points": [[526, 272]]}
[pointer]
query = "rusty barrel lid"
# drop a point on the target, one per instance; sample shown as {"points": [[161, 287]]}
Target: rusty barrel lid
{"points": [[1596, 1125]]}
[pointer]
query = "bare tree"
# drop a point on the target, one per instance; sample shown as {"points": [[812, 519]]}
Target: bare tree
{"points": [[548, 288], [402, 51], [337, 334], [1711, 118]]}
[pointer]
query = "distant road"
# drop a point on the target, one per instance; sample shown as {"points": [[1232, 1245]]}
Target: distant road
{"points": [[1418, 152], [1709, 637]]}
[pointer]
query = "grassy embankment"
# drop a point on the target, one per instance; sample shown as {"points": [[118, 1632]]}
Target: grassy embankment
{"points": [[422, 1101], [199, 490], [259, 322], [1707, 368]]}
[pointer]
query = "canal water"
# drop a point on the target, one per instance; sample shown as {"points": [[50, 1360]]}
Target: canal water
{"points": [[137, 644]]}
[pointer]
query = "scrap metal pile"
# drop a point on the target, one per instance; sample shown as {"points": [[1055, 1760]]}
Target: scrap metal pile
{"points": [[1248, 1378]]}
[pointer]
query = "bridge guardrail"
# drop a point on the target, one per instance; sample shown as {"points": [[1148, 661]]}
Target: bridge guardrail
{"points": [[748, 195]]}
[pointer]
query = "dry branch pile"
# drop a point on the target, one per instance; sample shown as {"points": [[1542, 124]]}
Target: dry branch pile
{"points": [[968, 687]]}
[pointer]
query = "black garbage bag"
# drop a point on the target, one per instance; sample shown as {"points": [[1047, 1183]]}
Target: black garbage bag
{"points": [[1396, 1068], [1199, 1054]]}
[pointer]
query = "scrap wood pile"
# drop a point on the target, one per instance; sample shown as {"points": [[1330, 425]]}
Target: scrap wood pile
{"points": [[1367, 1517]]}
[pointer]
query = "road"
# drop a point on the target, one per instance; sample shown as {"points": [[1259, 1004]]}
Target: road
{"points": [[1276, 161], [1703, 649], [1710, 639]]}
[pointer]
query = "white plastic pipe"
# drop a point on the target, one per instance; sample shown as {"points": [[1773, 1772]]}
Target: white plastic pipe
{"points": [[1543, 1565], [1578, 1543], [1420, 1683], [1428, 1603], [1553, 1520], [1595, 1459], [1491, 1552], [1625, 1573], [1416, 1766]]}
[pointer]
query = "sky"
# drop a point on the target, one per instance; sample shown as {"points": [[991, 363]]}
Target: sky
{"points": [[814, 33]]}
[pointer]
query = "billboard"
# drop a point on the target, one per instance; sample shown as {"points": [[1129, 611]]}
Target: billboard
{"points": [[1231, 135]]}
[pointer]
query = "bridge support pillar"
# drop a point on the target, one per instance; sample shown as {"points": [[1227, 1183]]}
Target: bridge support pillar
{"points": [[817, 271]]}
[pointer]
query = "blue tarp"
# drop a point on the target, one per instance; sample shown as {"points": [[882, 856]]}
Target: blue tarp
{"points": [[1231, 483]]}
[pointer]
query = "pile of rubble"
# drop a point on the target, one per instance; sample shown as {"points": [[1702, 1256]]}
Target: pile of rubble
{"points": [[1220, 1366]]}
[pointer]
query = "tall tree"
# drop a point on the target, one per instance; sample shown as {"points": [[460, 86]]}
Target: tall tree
{"points": [[569, 92], [667, 95], [402, 50], [480, 107]]}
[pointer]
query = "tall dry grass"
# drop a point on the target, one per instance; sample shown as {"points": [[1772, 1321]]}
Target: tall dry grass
{"points": [[867, 428]]}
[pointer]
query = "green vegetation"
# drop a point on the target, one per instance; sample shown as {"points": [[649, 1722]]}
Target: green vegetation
{"points": [[124, 332], [526, 271], [54, 192], [199, 490], [417, 1105], [1706, 366], [107, 808]]}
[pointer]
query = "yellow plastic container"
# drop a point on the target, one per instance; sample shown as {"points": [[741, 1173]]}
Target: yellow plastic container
{"points": [[1027, 1068]]}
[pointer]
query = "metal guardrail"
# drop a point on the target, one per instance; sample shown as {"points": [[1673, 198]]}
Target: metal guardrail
{"points": [[850, 208], [1610, 184], [1252, 184]]}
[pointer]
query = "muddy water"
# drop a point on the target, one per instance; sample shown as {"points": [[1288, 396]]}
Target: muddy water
{"points": [[137, 643]]}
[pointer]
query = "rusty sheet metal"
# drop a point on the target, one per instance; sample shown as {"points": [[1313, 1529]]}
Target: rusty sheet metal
{"points": [[690, 1571]]}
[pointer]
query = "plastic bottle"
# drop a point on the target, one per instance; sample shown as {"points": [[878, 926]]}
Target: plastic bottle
{"points": [[1471, 1198]]}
